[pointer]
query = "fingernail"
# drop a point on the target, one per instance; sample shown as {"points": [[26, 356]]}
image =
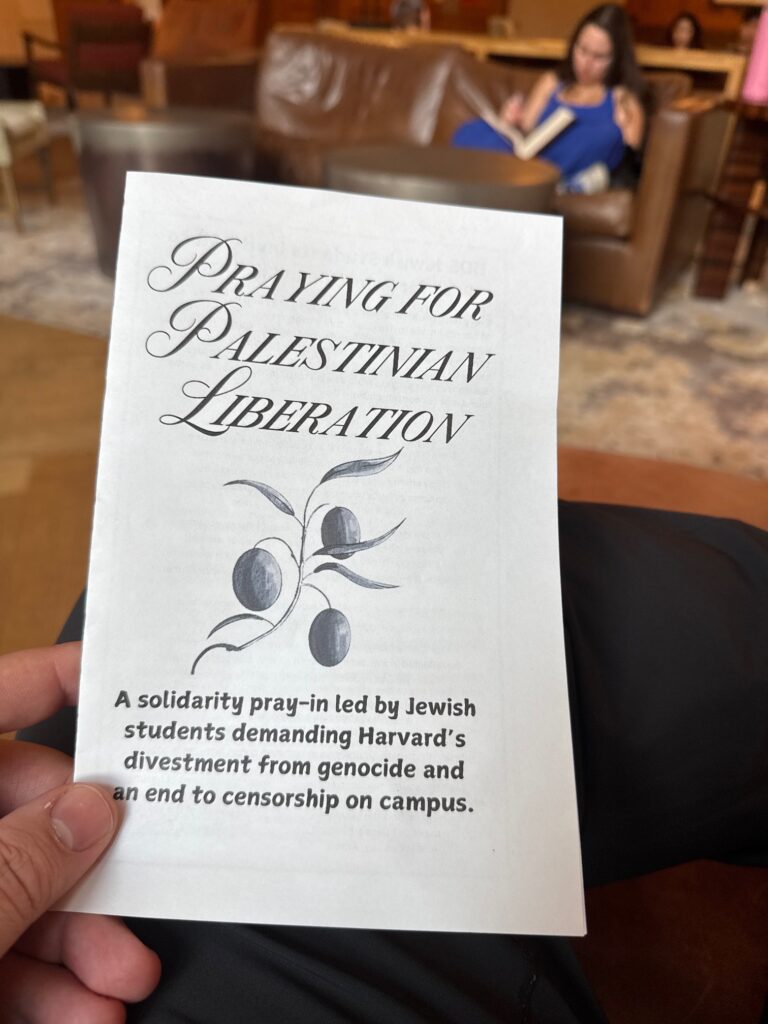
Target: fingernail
{"points": [[81, 817]]}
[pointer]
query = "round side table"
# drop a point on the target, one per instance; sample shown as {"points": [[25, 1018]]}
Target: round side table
{"points": [[443, 174]]}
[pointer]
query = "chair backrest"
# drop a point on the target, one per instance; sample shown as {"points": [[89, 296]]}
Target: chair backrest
{"points": [[193, 29], [106, 46], [62, 15], [665, 87]]}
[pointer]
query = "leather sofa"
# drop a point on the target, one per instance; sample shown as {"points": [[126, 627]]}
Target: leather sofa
{"points": [[315, 91]]}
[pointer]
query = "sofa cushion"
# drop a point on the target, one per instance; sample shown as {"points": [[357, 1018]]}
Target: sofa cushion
{"points": [[322, 87], [607, 214], [476, 86]]}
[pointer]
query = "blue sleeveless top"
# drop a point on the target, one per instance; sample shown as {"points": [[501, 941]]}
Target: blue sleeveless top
{"points": [[594, 137]]}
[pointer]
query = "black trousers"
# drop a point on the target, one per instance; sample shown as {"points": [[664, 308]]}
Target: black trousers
{"points": [[666, 625]]}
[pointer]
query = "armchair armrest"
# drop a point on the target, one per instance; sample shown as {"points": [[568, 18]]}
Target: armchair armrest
{"points": [[659, 184], [683, 153]]}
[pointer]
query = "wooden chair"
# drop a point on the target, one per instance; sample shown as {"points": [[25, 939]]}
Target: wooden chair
{"points": [[23, 132], [100, 48]]}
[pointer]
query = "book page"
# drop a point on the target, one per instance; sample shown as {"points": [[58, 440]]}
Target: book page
{"points": [[527, 146], [323, 664]]}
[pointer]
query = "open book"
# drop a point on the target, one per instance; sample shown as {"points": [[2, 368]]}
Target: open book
{"points": [[527, 146]]}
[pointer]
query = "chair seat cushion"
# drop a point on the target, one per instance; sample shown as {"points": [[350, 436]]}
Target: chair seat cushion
{"points": [[607, 214], [20, 117], [51, 71], [109, 56]]}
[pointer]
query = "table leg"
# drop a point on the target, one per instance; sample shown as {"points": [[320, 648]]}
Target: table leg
{"points": [[44, 156], [11, 196]]}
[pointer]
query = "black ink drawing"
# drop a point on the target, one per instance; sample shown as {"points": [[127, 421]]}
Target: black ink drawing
{"points": [[257, 578]]}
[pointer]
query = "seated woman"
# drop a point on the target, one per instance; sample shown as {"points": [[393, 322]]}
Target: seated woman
{"points": [[684, 32], [599, 82]]}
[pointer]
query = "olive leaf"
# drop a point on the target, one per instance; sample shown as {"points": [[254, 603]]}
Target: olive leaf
{"points": [[274, 496], [361, 467], [353, 576], [237, 618], [345, 550]]}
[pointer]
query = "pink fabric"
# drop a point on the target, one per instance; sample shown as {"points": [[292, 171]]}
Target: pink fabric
{"points": [[756, 82]]}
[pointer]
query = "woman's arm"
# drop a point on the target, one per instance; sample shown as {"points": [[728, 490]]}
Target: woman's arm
{"points": [[629, 116], [525, 113]]}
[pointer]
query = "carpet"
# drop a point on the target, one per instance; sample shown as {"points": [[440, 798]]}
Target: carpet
{"points": [[688, 384]]}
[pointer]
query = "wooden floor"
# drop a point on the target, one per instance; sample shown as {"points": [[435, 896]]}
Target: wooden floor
{"points": [[51, 386]]}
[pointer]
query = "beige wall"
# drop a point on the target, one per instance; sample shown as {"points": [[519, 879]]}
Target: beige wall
{"points": [[16, 16], [547, 17]]}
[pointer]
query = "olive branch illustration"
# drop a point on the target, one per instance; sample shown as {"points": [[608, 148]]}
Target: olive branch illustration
{"points": [[257, 579]]}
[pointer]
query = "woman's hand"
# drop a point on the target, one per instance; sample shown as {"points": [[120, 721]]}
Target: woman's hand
{"points": [[55, 967], [512, 111], [629, 117]]}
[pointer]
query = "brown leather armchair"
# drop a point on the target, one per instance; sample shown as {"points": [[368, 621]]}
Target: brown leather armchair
{"points": [[316, 91]]}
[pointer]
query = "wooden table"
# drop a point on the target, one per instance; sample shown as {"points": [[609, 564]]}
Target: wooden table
{"points": [[443, 174], [728, 67], [186, 140]]}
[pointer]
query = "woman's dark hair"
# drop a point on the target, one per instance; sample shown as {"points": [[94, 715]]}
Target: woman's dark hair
{"points": [[623, 69], [695, 43]]}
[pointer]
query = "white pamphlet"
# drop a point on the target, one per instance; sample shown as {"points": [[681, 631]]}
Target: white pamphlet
{"points": [[323, 665]]}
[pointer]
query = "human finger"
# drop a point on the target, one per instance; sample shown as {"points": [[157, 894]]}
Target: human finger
{"points": [[38, 993], [101, 951], [35, 683], [45, 847], [27, 770], [512, 109]]}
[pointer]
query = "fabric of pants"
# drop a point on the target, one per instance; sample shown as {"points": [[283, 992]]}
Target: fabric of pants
{"points": [[666, 634]]}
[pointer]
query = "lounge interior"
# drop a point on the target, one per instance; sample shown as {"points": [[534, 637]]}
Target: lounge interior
{"points": [[664, 358]]}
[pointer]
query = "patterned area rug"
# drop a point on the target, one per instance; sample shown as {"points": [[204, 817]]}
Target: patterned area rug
{"points": [[688, 383]]}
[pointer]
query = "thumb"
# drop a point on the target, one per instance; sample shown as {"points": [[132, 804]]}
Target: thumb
{"points": [[45, 847]]}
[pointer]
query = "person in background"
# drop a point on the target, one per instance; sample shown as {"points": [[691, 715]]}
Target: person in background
{"points": [[684, 32], [748, 30], [409, 14], [600, 83]]}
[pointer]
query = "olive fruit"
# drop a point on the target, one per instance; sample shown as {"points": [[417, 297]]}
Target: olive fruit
{"points": [[340, 526], [256, 579], [329, 637]]}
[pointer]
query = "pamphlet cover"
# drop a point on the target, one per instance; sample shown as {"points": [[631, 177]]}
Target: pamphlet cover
{"points": [[323, 665]]}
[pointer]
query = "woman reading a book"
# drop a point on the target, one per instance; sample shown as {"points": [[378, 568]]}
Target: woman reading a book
{"points": [[599, 84]]}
